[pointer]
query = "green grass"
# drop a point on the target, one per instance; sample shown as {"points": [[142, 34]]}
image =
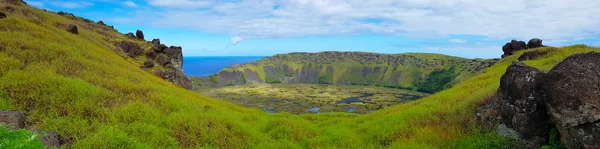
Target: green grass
{"points": [[18, 139], [78, 86]]}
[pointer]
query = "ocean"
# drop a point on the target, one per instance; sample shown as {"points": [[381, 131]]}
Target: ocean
{"points": [[207, 65]]}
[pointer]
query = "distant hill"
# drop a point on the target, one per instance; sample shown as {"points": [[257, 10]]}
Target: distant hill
{"points": [[419, 71]]}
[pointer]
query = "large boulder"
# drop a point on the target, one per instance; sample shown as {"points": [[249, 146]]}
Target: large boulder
{"points": [[518, 111], [73, 29], [572, 93], [2, 15], [139, 34], [513, 46], [534, 43], [14, 118], [131, 48]]}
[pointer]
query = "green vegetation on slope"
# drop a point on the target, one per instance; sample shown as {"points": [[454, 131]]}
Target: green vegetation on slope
{"points": [[77, 86], [437, 80]]}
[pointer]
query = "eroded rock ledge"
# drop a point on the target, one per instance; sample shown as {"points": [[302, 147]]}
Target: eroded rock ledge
{"points": [[529, 103]]}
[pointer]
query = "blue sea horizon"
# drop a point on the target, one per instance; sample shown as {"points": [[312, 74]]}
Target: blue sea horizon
{"points": [[207, 65]]}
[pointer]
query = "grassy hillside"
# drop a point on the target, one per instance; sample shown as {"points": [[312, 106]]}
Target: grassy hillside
{"points": [[409, 71], [78, 86]]}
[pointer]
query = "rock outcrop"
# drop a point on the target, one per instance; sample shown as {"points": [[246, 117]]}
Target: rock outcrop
{"points": [[176, 77], [73, 29], [530, 102], [14, 118], [572, 93], [175, 56], [139, 34], [514, 45]]}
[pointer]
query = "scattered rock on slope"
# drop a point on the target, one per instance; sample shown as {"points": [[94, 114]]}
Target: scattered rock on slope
{"points": [[14, 118], [531, 55], [572, 93], [518, 111], [130, 35], [148, 64], [73, 29]]}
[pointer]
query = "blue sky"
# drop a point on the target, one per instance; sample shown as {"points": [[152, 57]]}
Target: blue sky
{"points": [[465, 28]]}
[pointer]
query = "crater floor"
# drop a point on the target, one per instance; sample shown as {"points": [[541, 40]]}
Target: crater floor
{"points": [[313, 98]]}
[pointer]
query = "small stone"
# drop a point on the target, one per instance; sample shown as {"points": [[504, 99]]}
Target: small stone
{"points": [[14, 118]]}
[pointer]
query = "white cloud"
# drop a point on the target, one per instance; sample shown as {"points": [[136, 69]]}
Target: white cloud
{"points": [[130, 4], [72, 4], [521, 19], [180, 3], [458, 41], [235, 40]]}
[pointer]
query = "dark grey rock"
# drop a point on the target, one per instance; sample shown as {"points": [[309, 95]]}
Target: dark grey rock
{"points": [[572, 94], [518, 107], [531, 55], [163, 60], [14, 118], [130, 35], [534, 43], [131, 48], [139, 34], [148, 64], [73, 29]]}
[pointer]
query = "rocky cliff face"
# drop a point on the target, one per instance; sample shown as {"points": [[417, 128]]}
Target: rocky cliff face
{"points": [[346, 68], [530, 102]]}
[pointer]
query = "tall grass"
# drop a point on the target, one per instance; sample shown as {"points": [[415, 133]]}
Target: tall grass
{"points": [[78, 86]]}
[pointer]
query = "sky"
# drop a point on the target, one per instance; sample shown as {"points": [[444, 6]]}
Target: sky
{"points": [[464, 28]]}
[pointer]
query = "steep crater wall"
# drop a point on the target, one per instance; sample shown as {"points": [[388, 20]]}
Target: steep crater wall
{"points": [[349, 68]]}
